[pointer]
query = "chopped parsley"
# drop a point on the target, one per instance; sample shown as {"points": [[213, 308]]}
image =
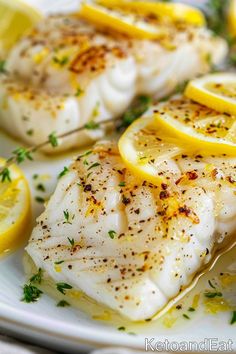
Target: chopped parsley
{"points": [[31, 293], [212, 295], [37, 278], [39, 199], [96, 164], [63, 172], [112, 234], [67, 217], [186, 316], [63, 303], [52, 138], [61, 61], [30, 132], [191, 309], [62, 287], [122, 328], [40, 187], [122, 184], [71, 241], [59, 262], [89, 152], [233, 320]]}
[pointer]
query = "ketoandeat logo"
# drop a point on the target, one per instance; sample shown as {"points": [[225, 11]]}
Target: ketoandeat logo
{"points": [[207, 345]]}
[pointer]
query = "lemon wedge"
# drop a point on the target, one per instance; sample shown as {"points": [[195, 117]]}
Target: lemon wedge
{"points": [[232, 17], [176, 12], [16, 18], [15, 209], [145, 148], [124, 23], [217, 91]]}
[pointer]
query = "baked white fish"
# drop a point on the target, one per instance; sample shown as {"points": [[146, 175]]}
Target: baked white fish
{"points": [[66, 73], [128, 244]]}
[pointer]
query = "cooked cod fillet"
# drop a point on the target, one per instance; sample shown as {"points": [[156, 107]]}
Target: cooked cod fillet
{"points": [[135, 246], [66, 73]]}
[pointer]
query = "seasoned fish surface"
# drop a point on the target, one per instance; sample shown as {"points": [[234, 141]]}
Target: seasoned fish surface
{"points": [[135, 245], [66, 73]]}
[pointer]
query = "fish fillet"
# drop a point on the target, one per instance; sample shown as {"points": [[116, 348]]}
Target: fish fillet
{"points": [[65, 73], [135, 245]]}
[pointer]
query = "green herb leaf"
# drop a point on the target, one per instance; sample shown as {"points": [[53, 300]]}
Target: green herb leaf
{"points": [[122, 328], [71, 241], [61, 61], [186, 316], [95, 112], [2, 66], [63, 172], [139, 107], [62, 287], [30, 132], [59, 262], [92, 125], [22, 154], [112, 234], [85, 154], [212, 295], [5, 175], [233, 320], [122, 184], [94, 165], [66, 217], [53, 139], [216, 11], [63, 303], [40, 187], [178, 89], [211, 285], [37, 278], [31, 293], [40, 199], [79, 92], [191, 309]]}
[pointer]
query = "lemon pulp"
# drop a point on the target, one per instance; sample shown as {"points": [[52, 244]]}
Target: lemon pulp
{"points": [[15, 211]]}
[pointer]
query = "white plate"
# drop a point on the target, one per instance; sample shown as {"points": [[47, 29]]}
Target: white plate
{"points": [[71, 329]]}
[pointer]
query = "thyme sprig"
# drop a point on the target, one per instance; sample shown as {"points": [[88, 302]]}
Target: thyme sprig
{"points": [[22, 154]]}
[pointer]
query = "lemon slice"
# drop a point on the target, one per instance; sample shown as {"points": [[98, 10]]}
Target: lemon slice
{"points": [[217, 91], [16, 18], [177, 127], [232, 17], [14, 209], [145, 149], [174, 11], [198, 127], [123, 23]]}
